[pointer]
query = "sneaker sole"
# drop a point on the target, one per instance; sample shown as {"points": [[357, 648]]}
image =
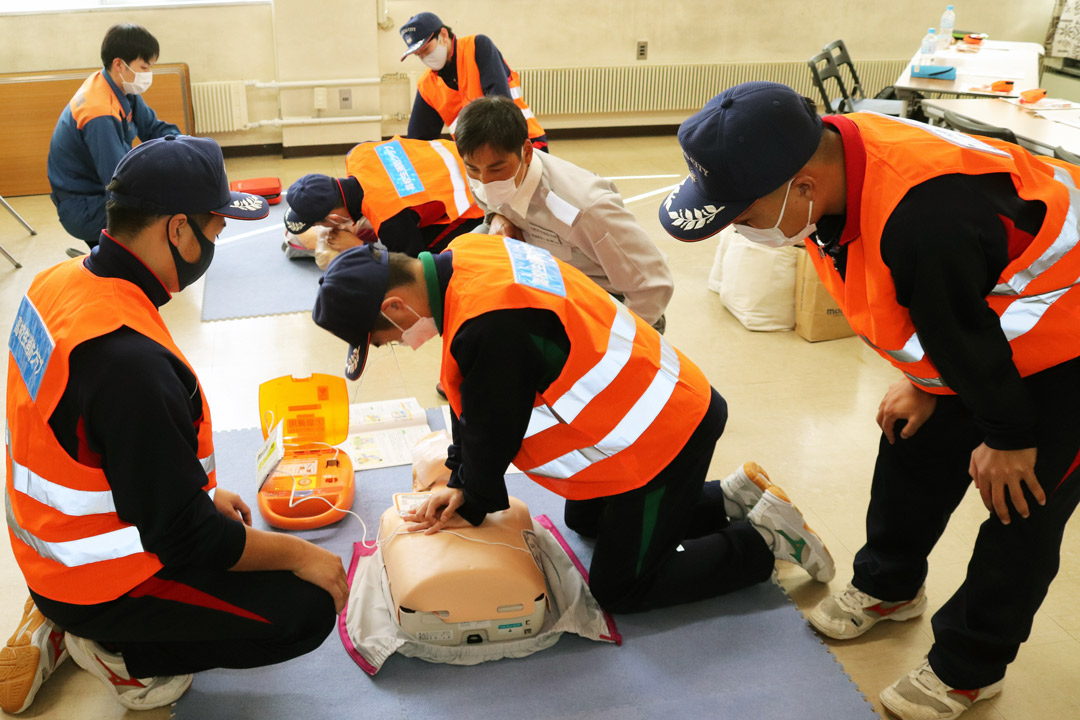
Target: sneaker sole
{"points": [[826, 628], [743, 497], [821, 572], [21, 669]]}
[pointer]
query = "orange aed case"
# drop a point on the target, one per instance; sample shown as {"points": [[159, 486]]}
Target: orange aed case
{"points": [[313, 484]]}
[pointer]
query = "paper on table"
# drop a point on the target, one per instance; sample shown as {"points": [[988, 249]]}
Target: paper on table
{"points": [[1065, 117], [383, 434], [1044, 104]]}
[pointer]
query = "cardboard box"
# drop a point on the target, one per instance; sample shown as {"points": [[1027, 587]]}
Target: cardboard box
{"points": [[817, 316]]}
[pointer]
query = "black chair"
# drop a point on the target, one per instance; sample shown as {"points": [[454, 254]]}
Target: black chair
{"points": [[974, 127], [842, 60], [1062, 154], [823, 69]]}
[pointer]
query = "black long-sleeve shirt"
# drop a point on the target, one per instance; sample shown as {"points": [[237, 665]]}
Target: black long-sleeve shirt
{"points": [[506, 357], [129, 407], [947, 243]]}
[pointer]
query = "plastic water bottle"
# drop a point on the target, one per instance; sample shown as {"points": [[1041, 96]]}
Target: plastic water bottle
{"points": [[948, 22], [929, 47]]}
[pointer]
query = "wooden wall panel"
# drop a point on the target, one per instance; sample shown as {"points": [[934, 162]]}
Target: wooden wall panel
{"points": [[31, 103]]}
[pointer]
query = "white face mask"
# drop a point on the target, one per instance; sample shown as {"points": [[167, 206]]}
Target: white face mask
{"points": [[419, 332], [498, 192], [436, 59], [140, 84], [774, 236]]}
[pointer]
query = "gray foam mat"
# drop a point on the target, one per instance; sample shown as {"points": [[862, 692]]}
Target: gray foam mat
{"points": [[250, 275], [749, 654]]}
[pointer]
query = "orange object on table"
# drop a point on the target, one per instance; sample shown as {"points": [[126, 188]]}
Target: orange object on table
{"points": [[1002, 86], [1032, 96], [974, 38]]}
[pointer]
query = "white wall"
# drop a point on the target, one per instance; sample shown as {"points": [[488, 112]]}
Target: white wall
{"points": [[322, 39]]}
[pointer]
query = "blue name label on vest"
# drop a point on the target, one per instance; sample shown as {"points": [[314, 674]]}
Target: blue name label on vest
{"points": [[535, 267], [31, 346], [399, 168]]}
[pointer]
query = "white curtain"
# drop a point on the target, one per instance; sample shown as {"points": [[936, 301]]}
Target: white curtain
{"points": [[1063, 37]]}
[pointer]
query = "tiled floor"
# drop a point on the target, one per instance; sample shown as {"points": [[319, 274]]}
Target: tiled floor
{"points": [[804, 411]]}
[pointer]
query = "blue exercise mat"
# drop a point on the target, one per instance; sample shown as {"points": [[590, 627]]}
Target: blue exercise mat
{"points": [[251, 276], [749, 654]]}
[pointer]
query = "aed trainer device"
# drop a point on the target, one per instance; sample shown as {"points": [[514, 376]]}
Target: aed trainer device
{"points": [[313, 484]]}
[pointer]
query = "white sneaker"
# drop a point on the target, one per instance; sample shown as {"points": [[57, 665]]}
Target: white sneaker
{"points": [[921, 695], [850, 613], [742, 489], [791, 539], [30, 656], [132, 693]]}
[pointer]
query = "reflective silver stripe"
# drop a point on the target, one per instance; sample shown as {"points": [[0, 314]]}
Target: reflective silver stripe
{"points": [[1026, 312], [69, 501], [629, 429], [911, 352], [528, 113], [619, 347], [209, 464], [74, 553], [213, 492], [927, 382], [562, 210], [541, 419], [515, 93], [453, 125], [461, 192], [1065, 242]]}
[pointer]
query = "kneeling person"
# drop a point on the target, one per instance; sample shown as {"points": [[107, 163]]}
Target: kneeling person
{"points": [[411, 194], [544, 368], [114, 513]]}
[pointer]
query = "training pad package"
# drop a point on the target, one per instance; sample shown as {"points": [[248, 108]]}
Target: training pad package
{"points": [[371, 634]]}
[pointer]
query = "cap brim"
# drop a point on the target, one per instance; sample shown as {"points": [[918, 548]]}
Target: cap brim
{"points": [[356, 359], [416, 46], [688, 215], [294, 224], [244, 206]]}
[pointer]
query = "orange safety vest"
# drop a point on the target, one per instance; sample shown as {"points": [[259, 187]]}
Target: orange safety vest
{"points": [[449, 102], [626, 401], [1037, 297], [61, 518], [94, 99], [427, 176]]}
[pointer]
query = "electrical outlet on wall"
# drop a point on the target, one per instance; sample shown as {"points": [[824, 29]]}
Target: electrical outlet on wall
{"points": [[320, 98], [345, 99], [642, 49]]}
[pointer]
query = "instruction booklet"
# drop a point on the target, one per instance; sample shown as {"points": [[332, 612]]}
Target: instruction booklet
{"points": [[383, 434]]}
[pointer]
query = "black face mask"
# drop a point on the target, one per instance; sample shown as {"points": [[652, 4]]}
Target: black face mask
{"points": [[187, 273]]}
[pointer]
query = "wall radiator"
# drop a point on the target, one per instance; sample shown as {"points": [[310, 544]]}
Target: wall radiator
{"points": [[222, 106], [660, 88], [219, 106]]}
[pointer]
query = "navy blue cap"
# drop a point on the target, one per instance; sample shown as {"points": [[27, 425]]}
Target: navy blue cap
{"points": [[182, 174], [744, 144], [311, 199], [418, 30], [350, 297]]}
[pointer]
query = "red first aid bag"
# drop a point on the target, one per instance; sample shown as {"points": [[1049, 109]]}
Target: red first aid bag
{"points": [[267, 187]]}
